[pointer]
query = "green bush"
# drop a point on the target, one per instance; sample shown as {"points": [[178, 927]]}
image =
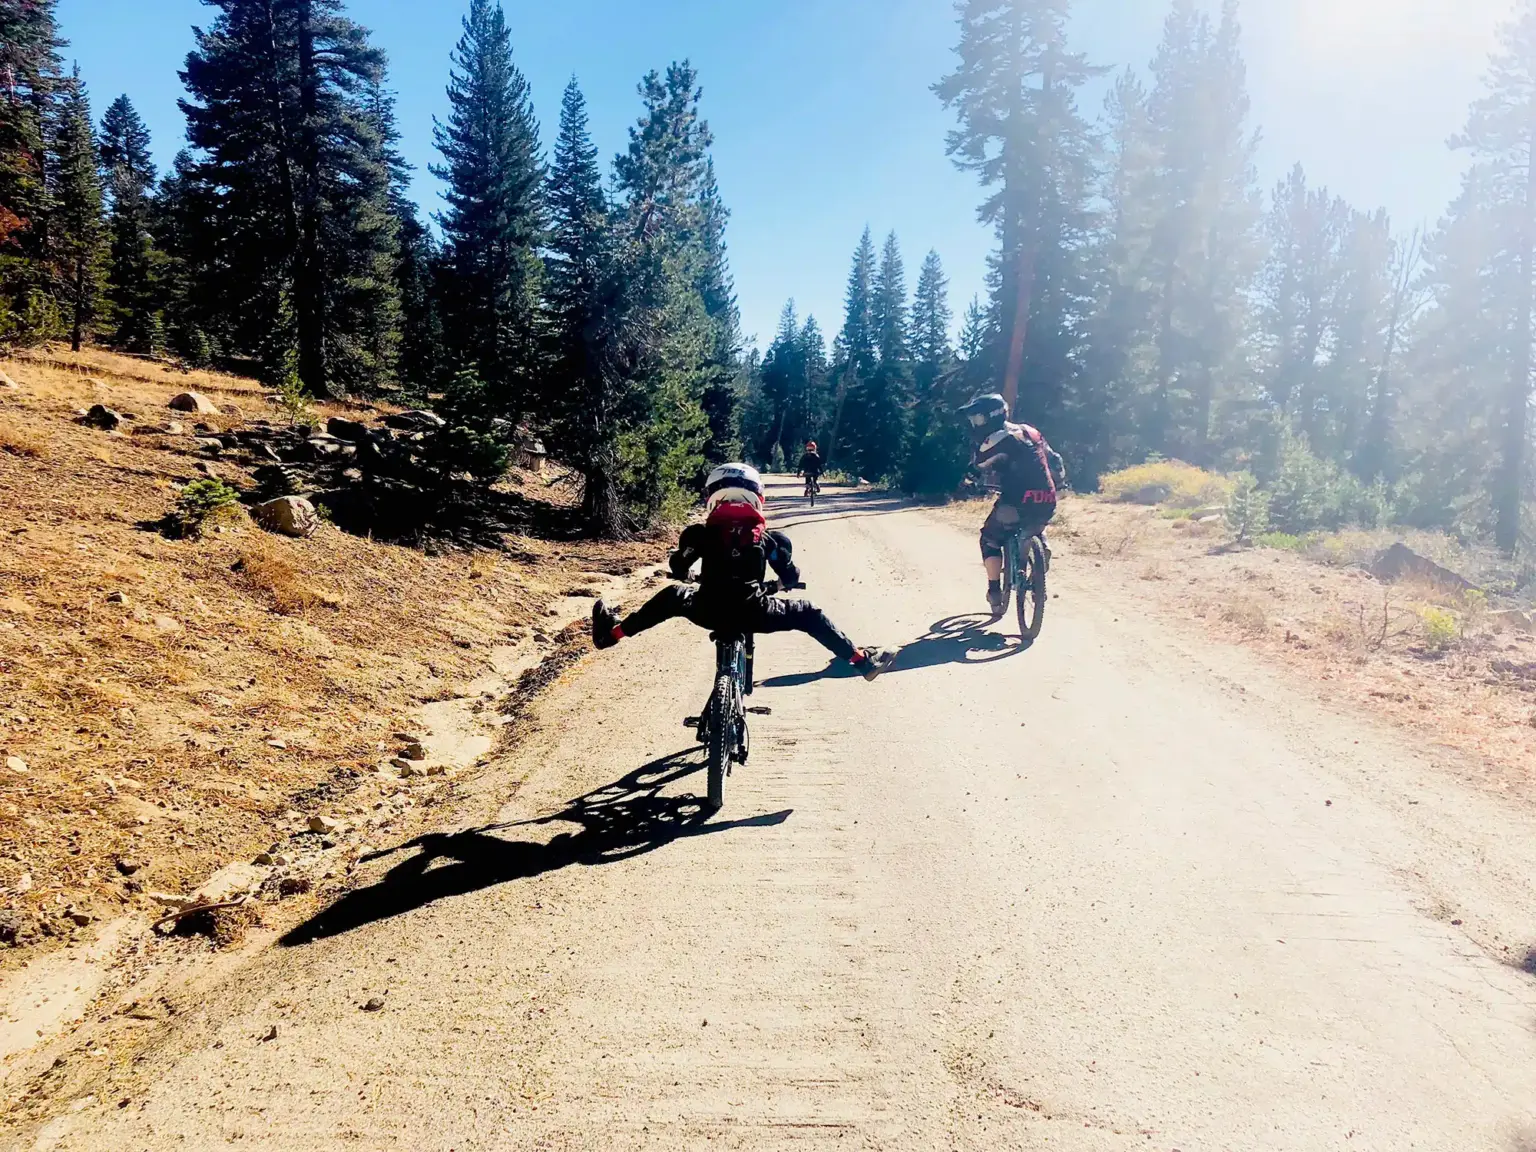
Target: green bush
{"points": [[1283, 541], [1247, 510], [201, 502], [1309, 493], [1440, 628]]}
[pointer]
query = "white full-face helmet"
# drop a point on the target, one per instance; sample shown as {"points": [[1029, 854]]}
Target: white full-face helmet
{"points": [[734, 484]]}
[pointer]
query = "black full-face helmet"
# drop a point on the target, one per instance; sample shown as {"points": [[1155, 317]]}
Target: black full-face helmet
{"points": [[985, 415]]}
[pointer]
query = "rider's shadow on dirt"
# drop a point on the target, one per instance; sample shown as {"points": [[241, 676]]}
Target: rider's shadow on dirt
{"points": [[627, 818], [954, 640]]}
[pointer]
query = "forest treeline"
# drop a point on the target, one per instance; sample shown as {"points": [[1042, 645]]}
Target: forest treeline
{"points": [[555, 297], [1167, 306], [1146, 296]]}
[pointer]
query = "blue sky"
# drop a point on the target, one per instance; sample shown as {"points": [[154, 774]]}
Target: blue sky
{"points": [[823, 116]]}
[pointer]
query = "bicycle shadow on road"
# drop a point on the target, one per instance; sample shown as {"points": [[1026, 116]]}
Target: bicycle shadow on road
{"points": [[954, 640], [619, 821]]}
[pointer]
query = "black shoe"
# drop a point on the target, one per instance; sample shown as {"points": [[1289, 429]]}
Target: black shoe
{"points": [[995, 600], [603, 624], [876, 661]]}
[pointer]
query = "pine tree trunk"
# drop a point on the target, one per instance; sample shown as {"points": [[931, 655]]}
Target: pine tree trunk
{"points": [[1509, 480], [77, 335], [1023, 292], [308, 288]]}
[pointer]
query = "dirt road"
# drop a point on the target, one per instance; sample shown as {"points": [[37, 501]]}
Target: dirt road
{"points": [[1119, 891]]}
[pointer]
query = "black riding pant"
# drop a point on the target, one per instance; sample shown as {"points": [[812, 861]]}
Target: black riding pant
{"points": [[1012, 519], [758, 615]]}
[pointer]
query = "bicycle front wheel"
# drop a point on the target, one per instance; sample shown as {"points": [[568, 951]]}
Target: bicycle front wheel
{"points": [[1031, 602], [722, 737]]}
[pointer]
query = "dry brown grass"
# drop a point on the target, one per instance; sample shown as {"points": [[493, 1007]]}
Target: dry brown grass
{"points": [[146, 723], [19, 443], [1426, 659], [1249, 614]]}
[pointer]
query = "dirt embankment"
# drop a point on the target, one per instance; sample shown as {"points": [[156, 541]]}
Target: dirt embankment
{"points": [[169, 706], [1454, 669]]}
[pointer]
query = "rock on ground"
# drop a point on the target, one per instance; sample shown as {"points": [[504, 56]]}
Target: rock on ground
{"points": [[289, 515], [194, 402]]}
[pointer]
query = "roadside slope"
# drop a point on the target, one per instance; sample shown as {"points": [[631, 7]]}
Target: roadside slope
{"points": [[1123, 890]]}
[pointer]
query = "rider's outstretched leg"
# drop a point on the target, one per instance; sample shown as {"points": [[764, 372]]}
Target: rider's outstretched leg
{"points": [[801, 615], [671, 602]]}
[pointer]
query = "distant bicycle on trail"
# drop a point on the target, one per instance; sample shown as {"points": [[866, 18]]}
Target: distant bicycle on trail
{"points": [[811, 467]]}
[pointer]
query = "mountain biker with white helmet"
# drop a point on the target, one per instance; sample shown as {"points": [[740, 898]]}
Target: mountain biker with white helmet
{"points": [[735, 550], [1026, 469]]}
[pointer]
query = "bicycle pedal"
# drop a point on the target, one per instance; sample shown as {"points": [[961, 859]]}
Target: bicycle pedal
{"points": [[761, 710], [691, 722]]}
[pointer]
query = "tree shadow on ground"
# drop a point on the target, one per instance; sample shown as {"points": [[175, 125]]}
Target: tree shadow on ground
{"points": [[619, 821], [953, 640]]}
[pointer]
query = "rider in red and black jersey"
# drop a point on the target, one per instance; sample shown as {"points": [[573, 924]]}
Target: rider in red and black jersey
{"points": [[1028, 473], [735, 549]]}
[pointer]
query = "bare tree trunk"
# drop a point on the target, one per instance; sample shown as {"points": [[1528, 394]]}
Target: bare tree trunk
{"points": [[1371, 461], [1023, 292], [77, 335], [1509, 480], [309, 290]]}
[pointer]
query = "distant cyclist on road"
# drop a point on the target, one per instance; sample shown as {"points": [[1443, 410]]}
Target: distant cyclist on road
{"points": [[736, 549], [1028, 473], [811, 464]]}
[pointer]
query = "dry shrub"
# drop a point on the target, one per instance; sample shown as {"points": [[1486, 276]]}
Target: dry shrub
{"points": [[482, 566], [1154, 571], [278, 580], [18, 443], [1248, 613], [1170, 482]]}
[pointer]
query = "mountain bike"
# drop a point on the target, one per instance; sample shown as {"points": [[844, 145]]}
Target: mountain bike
{"points": [[722, 725], [1024, 567], [812, 488]]}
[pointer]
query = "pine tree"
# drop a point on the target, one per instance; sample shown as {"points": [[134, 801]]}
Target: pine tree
{"points": [[854, 358], [1204, 250], [713, 283], [939, 453], [132, 288], [878, 409], [493, 226], [1501, 136], [78, 230], [593, 398], [664, 179], [288, 144], [29, 63], [1020, 130]]}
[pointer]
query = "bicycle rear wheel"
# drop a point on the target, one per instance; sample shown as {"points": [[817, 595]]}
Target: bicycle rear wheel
{"points": [[1031, 602], [722, 736]]}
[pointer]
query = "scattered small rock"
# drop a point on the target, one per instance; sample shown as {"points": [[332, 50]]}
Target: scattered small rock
{"points": [[167, 624], [230, 883], [294, 885], [10, 927], [288, 515], [323, 824], [375, 1004], [77, 916], [128, 865], [271, 1034], [414, 751], [194, 402], [7, 383], [349, 430], [117, 597], [280, 745], [1455, 923], [17, 765], [100, 416]]}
